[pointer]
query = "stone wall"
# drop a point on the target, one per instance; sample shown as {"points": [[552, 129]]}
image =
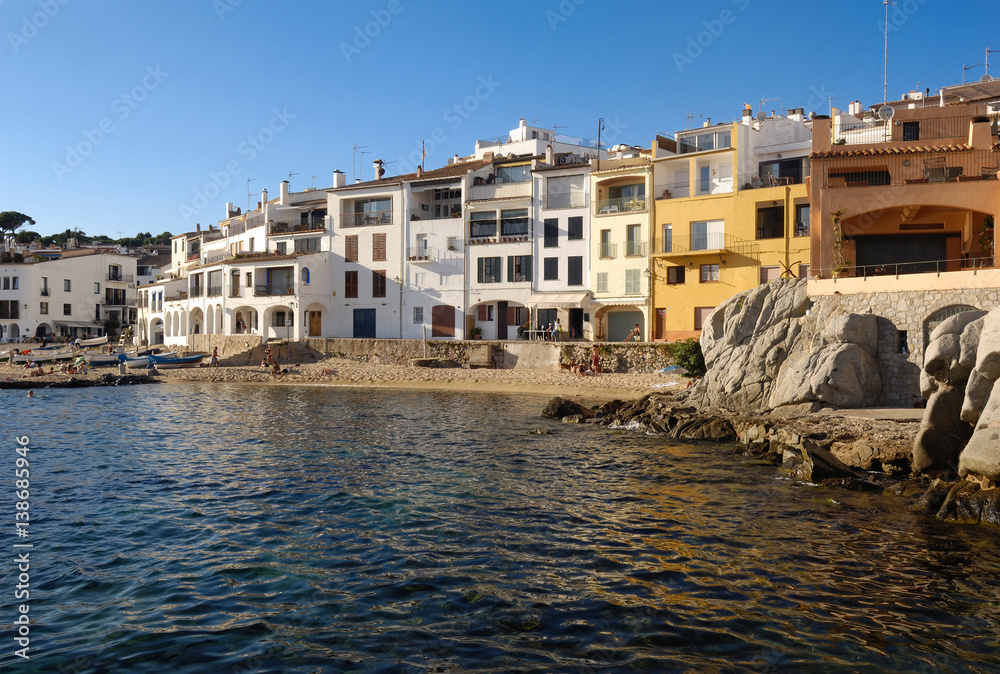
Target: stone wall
{"points": [[640, 357], [907, 311]]}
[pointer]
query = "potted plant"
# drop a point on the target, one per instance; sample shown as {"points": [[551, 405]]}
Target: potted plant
{"points": [[840, 262], [986, 238], [477, 332]]}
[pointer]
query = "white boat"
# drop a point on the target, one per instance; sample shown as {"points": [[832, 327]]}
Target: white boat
{"points": [[141, 362], [44, 356], [96, 341], [100, 358]]}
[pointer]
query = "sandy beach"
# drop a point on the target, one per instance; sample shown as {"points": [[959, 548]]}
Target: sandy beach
{"points": [[341, 372]]}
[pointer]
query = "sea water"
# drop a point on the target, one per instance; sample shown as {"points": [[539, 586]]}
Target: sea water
{"points": [[234, 528]]}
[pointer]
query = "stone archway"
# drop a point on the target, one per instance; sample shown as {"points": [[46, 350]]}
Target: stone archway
{"points": [[939, 317]]}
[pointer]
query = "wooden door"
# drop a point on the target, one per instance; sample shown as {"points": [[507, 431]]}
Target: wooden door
{"points": [[315, 324], [443, 321]]}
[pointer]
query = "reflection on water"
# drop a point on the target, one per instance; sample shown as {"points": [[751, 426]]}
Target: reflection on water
{"points": [[179, 527]]}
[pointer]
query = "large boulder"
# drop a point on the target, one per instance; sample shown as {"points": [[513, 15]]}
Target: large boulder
{"points": [[981, 457], [942, 433], [557, 408]]}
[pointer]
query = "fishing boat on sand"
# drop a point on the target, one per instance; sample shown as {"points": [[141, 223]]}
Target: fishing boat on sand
{"points": [[142, 362], [167, 362]]}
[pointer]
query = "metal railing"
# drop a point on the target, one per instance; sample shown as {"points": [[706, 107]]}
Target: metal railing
{"points": [[214, 291], [418, 254], [620, 205], [706, 242], [635, 248], [196, 291], [45, 292], [609, 251], [903, 268], [288, 228], [273, 289], [121, 278], [565, 200], [869, 129], [756, 181], [366, 219], [909, 169]]}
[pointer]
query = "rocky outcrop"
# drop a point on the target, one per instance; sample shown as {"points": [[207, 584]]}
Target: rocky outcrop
{"points": [[960, 431], [73, 382], [770, 347]]}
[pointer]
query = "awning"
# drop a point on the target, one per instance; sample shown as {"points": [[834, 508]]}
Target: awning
{"points": [[76, 324], [637, 302], [560, 300]]}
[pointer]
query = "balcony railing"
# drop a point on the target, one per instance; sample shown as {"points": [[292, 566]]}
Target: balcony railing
{"points": [[274, 289], [288, 228], [214, 291], [193, 256], [120, 278], [130, 303], [500, 190], [755, 181], [903, 268], [869, 129], [713, 241], [366, 219], [418, 254], [620, 205], [236, 292], [196, 291], [608, 251], [565, 200], [635, 248], [909, 169], [45, 292]]}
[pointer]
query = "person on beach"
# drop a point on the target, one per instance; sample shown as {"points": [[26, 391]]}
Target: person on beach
{"points": [[557, 331], [214, 362], [634, 335], [595, 360]]}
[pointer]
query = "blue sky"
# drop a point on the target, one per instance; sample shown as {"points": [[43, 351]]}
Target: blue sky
{"points": [[123, 116]]}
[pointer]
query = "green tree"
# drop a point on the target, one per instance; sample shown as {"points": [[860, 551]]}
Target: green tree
{"points": [[27, 236], [111, 326], [11, 221]]}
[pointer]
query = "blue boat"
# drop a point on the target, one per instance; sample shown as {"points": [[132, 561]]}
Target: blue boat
{"points": [[167, 362]]}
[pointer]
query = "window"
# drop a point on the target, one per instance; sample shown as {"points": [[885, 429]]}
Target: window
{"points": [[67, 310], [701, 315], [13, 284], [710, 140], [279, 319], [550, 269], [66, 285], [351, 248], [514, 222], [633, 281], [668, 239], [574, 270], [418, 315], [282, 247], [607, 249], [771, 222], [378, 247], [904, 346], [45, 286], [518, 268], [97, 288], [375, 211], [708, 235], [574, 229], [802, 220], [675, 276], [305, 276], [350, 284], [633, 240], [911, 130], [782, 172], [768, 274], [803, 271], [378, 283], [249, 279], [9, 309], [514, 174], [485, 312], [709, 272], [482, 224], [551, 233], [602, 281], [488, 270], [43, 308], [310, 245]]}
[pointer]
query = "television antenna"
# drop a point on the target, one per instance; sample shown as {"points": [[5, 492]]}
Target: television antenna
{"points": [[689, 118], [766, 100], [312, 182], [354, 160], [986, 77], [555, 129], [249, 180], [885, 65], [290, 174]]}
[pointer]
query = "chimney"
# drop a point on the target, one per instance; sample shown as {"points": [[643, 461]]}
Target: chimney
{"points": [[283, 193], [263, 196], [339, 179], [357, 181], [747, 115], [707, 123], [549, 155], [197, 227], [420, 171], [229, 209]]}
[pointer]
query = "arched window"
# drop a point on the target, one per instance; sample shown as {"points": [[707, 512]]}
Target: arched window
{"points": [[305, 276], [938, 317]]}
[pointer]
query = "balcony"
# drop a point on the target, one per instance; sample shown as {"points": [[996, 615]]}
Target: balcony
{"points": [[500, 190], [874, 170], [274, 290], [174, 298], [609, 251], [418, 255], [870, 130], [214, 291], [193, 257], [565, 200], [635, 248], [368, 219], [196, 291], [713, 242], [119, 277], [756, 181], [130, 303], [621, 205], [236, 292], [45, 292], [288, 228]]}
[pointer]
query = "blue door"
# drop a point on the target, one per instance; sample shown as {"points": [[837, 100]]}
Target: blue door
{"points": [[364, 323]]}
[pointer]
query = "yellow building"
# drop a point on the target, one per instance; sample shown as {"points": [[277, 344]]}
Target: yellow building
{"points": [[731, 212]]}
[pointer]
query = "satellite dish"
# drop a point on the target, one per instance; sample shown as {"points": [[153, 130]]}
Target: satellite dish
{"points": [[761, 116], [985, 78], [886, 112]]}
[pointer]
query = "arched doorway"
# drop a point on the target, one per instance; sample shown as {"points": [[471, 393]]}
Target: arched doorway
{"points": [[939, 316]]}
